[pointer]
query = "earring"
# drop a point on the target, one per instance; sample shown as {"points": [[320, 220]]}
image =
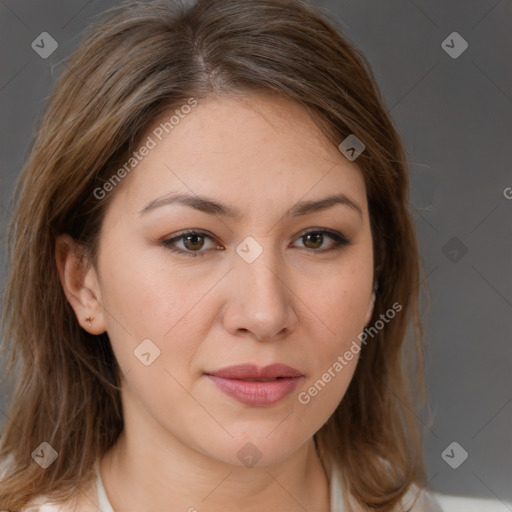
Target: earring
{"points": [[89, 319]]}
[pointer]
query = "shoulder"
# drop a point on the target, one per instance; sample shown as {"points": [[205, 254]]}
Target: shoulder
{"points": [[414, 500], [84, 501], [428, 501], [451, 503], [40, 504], [43, 503], [420, 500]]}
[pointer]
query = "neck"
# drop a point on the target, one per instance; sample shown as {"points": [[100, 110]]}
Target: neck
{"points": [[144, 476]]}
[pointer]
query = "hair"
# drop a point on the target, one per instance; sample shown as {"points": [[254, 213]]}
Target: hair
{"points": [[138, 61]]}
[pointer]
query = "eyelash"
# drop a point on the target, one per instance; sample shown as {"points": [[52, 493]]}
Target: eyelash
{"points": [[340, 240]]}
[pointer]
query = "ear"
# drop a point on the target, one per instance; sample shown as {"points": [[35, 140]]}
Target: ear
{"points": [[80, 284], [370, 306]]}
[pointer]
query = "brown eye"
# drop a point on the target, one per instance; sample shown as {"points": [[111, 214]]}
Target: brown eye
{"points": [[314, 240], [193, 242]]}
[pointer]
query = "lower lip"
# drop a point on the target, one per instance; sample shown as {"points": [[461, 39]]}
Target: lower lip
{"points": [[256, 393]]}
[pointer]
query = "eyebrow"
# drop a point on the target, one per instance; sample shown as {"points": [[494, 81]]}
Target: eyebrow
{"points": [[208, 205]]}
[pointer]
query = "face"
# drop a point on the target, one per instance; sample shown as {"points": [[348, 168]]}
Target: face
{"points": [[282, 281]]}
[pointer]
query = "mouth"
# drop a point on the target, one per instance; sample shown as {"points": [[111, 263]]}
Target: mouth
{"points": [[262, 380], [251, 372], [256, 386]]}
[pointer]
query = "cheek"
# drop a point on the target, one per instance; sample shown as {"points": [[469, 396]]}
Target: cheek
{"points": [[339, 296], [147, 297], [336, 310], [341, 311], [139, 289], [328, 382]]}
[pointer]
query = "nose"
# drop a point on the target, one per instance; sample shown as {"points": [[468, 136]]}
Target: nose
{"points": [[260, 298]]}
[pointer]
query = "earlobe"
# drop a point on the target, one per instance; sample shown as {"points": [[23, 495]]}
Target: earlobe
{"points": [[80, 284]]}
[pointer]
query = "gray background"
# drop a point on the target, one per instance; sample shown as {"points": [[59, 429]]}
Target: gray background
{"points": [[454, 115]]}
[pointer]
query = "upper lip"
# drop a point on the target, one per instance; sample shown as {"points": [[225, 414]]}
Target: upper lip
{"points": [[252, 371]]}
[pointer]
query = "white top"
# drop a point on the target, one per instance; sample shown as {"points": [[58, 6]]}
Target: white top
{"points": [[103, 503]]}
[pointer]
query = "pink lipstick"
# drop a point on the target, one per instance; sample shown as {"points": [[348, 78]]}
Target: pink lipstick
{"points": [[256, 386]]}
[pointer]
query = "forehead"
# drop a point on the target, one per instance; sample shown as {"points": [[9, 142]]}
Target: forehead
{"points": [[239, 150]]}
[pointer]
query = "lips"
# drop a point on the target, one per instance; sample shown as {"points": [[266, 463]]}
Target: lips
{"points": [[252, 372], [255, 386]]}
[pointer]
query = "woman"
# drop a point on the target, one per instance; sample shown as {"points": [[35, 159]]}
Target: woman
{"points": [[212, 270]]}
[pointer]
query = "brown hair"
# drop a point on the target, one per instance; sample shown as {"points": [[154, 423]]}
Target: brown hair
{"points": [[142, 59]]}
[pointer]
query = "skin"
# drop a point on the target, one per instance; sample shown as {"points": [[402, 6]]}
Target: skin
{"points": [[294, 304]]}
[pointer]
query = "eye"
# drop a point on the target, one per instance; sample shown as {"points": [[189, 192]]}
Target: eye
{"points": [[194, 241], [313, 239]]}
